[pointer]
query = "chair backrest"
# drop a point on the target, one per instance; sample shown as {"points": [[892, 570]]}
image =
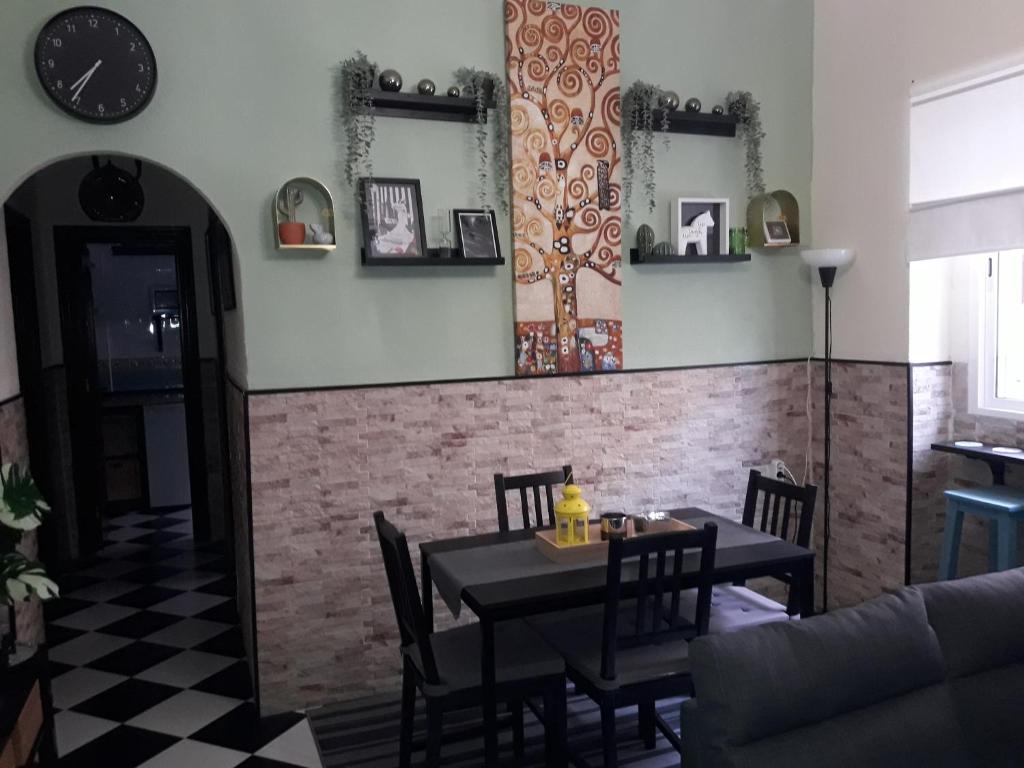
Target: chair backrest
{"points": [[404, 595], [532, 483], [655, 622], [785, 510]]}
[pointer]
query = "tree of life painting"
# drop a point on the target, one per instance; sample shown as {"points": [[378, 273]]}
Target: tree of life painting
{"points": [[563, 70]]}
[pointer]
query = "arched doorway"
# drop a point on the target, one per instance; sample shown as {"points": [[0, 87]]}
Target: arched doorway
{"points": [[124, 330], [119, 290]]}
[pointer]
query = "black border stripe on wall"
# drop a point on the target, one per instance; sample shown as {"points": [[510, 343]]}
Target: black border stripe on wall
{"points": [[9, 400], [486, 379], [510, 377]]}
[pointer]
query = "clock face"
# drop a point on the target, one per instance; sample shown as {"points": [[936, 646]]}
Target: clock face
{"points": [[95, 64]]}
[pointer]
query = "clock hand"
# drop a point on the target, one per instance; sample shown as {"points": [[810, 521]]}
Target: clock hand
{"points": [[80, 83]]}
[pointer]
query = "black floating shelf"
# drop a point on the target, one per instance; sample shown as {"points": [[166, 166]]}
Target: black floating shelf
{"points": [[458, 109], [675, 258], [700, 123], [431, 260]]}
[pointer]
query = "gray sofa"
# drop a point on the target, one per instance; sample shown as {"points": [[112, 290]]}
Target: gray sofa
{"points": [[929, 676]]}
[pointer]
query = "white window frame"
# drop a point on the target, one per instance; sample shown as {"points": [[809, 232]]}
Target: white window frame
{"points": [[982, 400]]}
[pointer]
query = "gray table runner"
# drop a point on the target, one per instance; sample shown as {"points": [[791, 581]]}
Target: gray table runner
{"points": [[454, 571]]}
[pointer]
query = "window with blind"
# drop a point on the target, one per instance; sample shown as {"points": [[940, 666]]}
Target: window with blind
{"points": [[967, 197]]}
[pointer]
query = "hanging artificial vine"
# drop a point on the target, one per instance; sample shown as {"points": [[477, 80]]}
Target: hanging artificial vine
{"points": [[638, 105], [357, 115], [748, 111], [486, 88]]}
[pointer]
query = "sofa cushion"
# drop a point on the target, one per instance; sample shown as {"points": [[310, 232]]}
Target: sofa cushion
{"points": [[915, 729], [988, 706], [773, 678], [979, 621]]}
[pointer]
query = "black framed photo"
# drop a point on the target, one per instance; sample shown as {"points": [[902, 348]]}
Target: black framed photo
{"points": [[392, 213], [476, 233]]}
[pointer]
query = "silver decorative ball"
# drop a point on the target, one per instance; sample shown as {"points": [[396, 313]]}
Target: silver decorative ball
{"points": [[693, 105], [426, 86], [718, 109], [669, 100], [453, 91], [390, 80]]}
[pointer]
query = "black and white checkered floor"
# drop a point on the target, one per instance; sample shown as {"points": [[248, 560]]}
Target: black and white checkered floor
{"points": [[147, 660]]}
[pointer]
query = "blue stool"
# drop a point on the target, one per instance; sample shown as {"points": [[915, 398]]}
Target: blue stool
{"points": [[1004, 508]]}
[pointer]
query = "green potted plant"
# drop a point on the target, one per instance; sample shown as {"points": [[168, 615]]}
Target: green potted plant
{"points": [[357, 76], [21, 510], [640, 106], [747, 110], [486, 89]]}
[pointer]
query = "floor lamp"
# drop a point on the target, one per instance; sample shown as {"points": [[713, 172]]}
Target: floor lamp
{"points": [[828, 261]]}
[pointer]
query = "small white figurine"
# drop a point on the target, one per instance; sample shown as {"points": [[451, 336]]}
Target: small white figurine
{"points": [[320, 235], [696, 233]]}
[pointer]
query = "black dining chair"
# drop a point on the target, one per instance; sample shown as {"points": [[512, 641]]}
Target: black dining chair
{"points": [[784, 510], [634, 649], [533, 483], [445, 666]]}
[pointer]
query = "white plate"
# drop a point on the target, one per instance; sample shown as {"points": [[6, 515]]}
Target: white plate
{"points": [[1007, 450], [968, 444]]}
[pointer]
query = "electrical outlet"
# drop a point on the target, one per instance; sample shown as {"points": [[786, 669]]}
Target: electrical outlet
{"points": [[775, 469]]}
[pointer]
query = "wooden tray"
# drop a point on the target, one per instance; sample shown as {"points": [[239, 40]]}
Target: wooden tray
{"points": [[597, 550]]}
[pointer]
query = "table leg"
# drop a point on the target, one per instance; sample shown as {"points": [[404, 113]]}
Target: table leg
{"points": [[428, 592], [801, 590], [998, 472], [488, 678]]}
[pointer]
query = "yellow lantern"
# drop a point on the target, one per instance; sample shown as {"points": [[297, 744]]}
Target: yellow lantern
{"points": [[572, 518]]}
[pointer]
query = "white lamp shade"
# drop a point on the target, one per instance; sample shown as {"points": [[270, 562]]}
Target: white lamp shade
{"points": [[828, 257]]}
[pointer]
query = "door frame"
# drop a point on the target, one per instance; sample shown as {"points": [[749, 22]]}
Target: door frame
{"points": [[176, 241], [25, 310]]}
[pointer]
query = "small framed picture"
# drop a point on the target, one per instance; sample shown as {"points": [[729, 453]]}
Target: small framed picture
{"points": [[776, 233], [700, 226], [476, 233], [392, 212]]}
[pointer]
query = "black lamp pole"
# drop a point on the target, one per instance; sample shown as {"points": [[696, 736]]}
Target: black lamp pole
{"points": [[828, 277]]}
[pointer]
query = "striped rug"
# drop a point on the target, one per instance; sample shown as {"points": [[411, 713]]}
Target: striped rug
{"points": [[364, 734]]}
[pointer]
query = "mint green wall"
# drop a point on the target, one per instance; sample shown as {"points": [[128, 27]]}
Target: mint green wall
{"points": [[246, 99]]}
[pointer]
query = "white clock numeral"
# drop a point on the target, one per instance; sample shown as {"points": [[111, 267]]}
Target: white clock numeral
{"points": [[124, 103], [49, 63], [142, 67], [60, 85], [57, 42], [100, 108], [131, 47], [70, 27], [94, 23]]}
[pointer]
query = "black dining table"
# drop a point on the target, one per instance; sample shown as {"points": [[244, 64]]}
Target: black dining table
{"points": [[985, 452], [501, 576]]}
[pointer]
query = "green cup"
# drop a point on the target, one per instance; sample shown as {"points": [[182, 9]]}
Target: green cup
{"points": [[737, 241]]}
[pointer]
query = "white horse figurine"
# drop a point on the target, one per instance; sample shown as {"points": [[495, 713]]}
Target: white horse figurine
{"points": [[696, 233]]}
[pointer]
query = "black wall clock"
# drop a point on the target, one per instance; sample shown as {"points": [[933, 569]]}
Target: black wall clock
{"points": [[95, 64]]}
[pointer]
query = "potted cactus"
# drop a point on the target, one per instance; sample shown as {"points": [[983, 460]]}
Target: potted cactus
{"points": [[21, 510], [290, 231]]}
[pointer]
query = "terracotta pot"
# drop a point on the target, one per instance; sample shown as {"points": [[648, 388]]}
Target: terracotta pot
{"points": [[291, 232]]}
